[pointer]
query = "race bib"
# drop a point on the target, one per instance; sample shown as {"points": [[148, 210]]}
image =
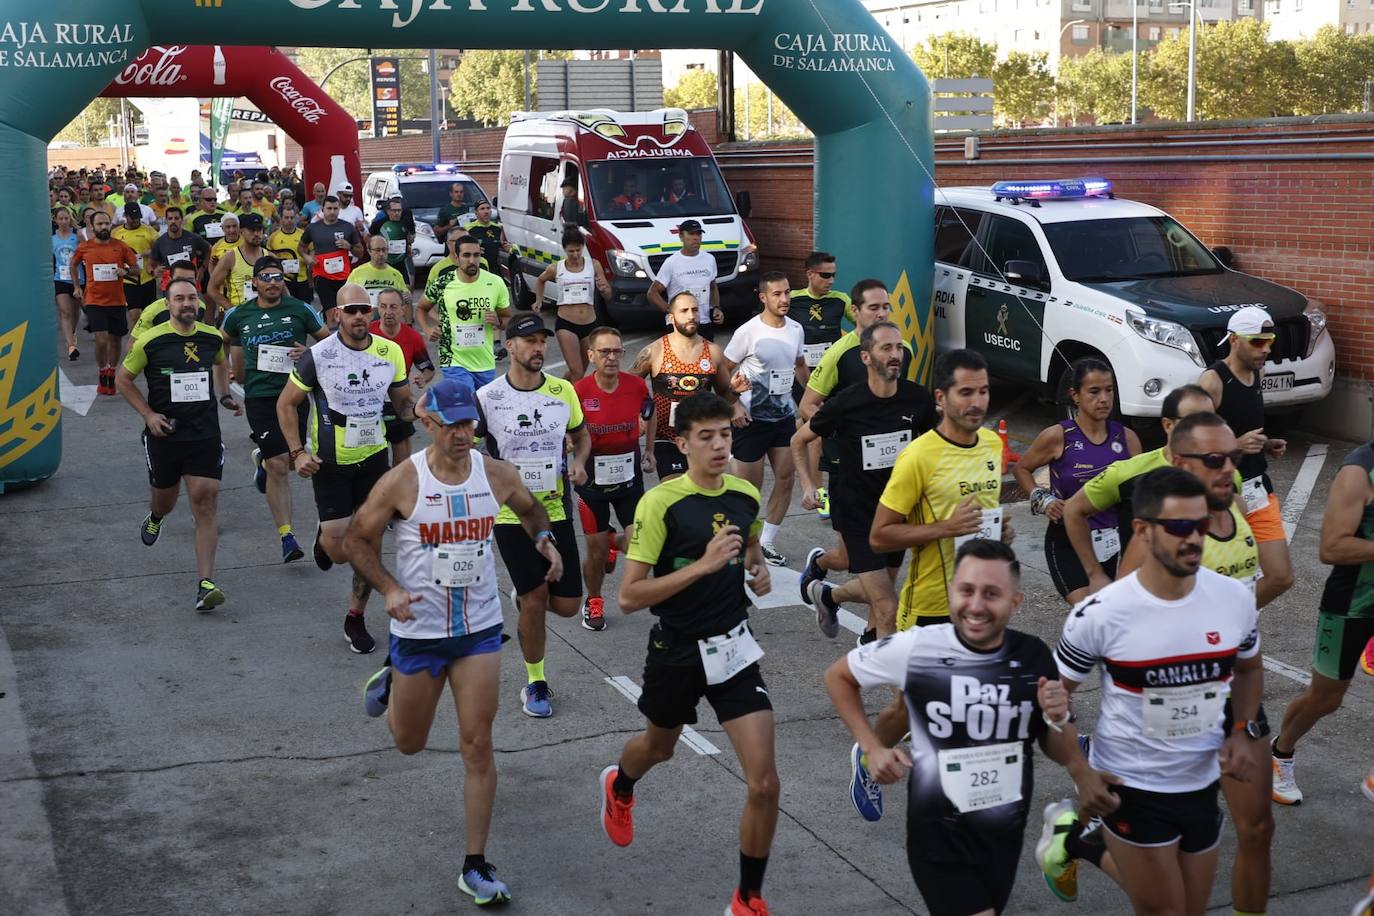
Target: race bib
{"points": [[1106, 543], [1174, 713], [396, 246], [214, 230], [248, 291], [189, 387], [459, 565], [104, 273], [780, 381], [64, 272], [539, 476], [725, 656], [575, 292], [1254, 495], [974, 778], [363, 431], [881, 451], [291, 267], [273, 358], [139, 258], [375, 295], [703, 297], [812, 353], [609, 470], [471, 335], [989, 529], [333, 264], [178, 257]]}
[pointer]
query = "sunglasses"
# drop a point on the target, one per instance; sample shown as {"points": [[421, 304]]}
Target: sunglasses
{"points": [[1181, 527], [1215, 460], [1258, 339], [826, 274], [271, 278], [358, 309]]}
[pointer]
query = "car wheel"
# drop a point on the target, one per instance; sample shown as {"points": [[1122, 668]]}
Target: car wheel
{"points": [[519, 287]]}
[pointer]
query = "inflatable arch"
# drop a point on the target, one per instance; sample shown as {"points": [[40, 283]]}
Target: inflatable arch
{"points": [[269, 80], [828, 60]]}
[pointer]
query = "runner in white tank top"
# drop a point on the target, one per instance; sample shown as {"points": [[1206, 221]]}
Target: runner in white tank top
{"points": [[576, 305]]}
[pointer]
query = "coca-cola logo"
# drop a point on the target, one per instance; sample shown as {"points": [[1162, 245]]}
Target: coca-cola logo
{"points": [[303, 105], [156, 66]]}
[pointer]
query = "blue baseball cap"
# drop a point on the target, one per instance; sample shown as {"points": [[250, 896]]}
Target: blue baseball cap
{"points": [[451, 402]]}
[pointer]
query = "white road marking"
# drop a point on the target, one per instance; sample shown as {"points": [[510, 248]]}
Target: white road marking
{"points": [[1293, 674], [852, 622], [690, 736], [1301, 490], [75, 397], [783, 592]]}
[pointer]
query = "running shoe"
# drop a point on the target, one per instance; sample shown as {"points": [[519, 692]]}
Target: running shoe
{"points": [[1060, 870], [322, 559], [150, 529], [1367, 658], [614, 554], [208, 596], [1285, 791], [1366, 905], [377, 692], [534, 700], [771, 555], [754, 906], [811, 571], [482, 885], [617, 815], [259, 472], [1367, 787], [73, 354], [864, 790], [823, 502], [356, 635], [866, 637], [827, 611], [290, 549], [594, 614]]}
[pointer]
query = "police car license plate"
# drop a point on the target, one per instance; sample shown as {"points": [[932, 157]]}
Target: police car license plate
{"points": [[1279, 381]]}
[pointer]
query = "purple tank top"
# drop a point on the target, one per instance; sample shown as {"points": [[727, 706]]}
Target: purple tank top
{"points": [[1083, 460]]}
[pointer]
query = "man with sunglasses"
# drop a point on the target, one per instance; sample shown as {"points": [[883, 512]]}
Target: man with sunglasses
{"points": [[266, 335], [1175, 642], [617, 407], [472, 303], [205, 219], [349, 378], [1235, 386]]}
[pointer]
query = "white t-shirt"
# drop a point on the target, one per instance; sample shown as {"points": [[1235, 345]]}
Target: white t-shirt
{"points": [[1166, 673], [352, 214], [768, 358], [693, 275]]}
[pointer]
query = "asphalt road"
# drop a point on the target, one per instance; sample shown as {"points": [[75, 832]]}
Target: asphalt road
{"points": [[158, 761]]}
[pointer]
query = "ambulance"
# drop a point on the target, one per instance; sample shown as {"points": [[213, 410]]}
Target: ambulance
{"points": [[1036, 274], [635, 177]]}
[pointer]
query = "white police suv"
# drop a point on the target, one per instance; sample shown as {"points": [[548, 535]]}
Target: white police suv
{"points": [[1036, 274]]}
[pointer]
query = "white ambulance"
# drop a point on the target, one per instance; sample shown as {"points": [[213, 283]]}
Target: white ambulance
{"points": [[635, 176], [1035, 274]]}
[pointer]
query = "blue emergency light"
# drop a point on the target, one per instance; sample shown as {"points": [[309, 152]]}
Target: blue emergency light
{"points": [[414, 168], [1052, 189]]}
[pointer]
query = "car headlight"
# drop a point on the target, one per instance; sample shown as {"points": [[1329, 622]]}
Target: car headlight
{"points": [[1168, 333], [750, 259], [424, 228], [1316, 317], [625, 264]]}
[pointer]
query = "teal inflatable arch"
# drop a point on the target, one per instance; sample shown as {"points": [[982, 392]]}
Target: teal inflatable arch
{"points": [[828, 60]]}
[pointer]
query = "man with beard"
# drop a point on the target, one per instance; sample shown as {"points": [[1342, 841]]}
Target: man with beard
{"points": [[99, 266], [472, 303], [205, 220], [349, 377], [526, 416], [231, 282], [177, 245], [678, 365], [330, 244]]}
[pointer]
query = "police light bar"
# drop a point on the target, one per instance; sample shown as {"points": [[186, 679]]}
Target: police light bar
{"points": [[412, 168], [1052, 189]]}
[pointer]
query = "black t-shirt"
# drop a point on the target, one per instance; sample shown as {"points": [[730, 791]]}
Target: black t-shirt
{"points": [[820, 318], [189, 247], [181, 381], [200, 223], [1242, 407], [860, 425]]}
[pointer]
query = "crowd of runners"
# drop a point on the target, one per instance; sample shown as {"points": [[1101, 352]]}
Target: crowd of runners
{"points": [[306, 317]]}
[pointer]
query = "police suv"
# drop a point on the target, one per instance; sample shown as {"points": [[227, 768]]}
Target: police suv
{"points": [[1036, 274]]}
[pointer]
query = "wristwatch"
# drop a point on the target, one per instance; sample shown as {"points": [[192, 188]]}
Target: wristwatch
{"points": [[1250, 728], [545, 534]]}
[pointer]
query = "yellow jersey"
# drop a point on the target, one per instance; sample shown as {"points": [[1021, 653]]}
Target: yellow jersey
{"points": [[141, 240], [218, 249], [1237, 556], [931, 477], [287, 246]]}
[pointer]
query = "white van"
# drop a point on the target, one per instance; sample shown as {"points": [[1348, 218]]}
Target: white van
{"points": [[425, 188], [637, 176], [1036, 274]]}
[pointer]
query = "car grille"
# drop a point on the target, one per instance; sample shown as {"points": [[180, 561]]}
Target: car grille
{"points": [[725, 262], [1291, 342]]}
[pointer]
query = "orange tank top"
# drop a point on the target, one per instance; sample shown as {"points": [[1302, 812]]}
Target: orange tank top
{"points": [[676, 380]]}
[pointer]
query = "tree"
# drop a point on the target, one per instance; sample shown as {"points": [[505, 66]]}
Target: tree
{"points": [[351, 84], [696, 89], [91, 126], [752, 121], [1097, 85], [1022, 88], [1240, 73], [1331, 70], [955, 55], [489, 85]]}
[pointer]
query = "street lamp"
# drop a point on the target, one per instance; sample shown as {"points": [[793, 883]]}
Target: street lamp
{"points": [[1135, 36], [1192, 52], [1068, 25]]}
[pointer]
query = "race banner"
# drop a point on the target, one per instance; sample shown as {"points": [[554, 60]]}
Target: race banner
{"points": [[220, 111]]}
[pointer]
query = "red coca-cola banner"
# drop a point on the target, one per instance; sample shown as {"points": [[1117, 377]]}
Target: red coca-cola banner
{"points": [[266, 78]]}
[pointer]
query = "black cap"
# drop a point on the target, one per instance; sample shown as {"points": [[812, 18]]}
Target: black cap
{"points": [[525, 324], [133, 209], [267, 260], [689, 225], [250, 221]]}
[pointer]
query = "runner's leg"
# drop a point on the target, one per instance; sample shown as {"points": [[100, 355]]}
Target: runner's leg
{"points": [[1321, 698], [648, 749], [278, 489], [1199, 874], [203, 493], [410, 708], [1152, 876], [594, 564], [880, 593], [475, 682], [571, 348], [1252, 813], [784, 475], [752, 737]]}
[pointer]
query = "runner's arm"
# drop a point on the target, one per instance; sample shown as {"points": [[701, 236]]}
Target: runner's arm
{"points": [[1247, 687], [288, 402], [810, 403], [1076, 512], [539, 282], [1047, 446], [1351, 492], [802, 371], [363, 540], [886, 764], [214, 289], [643, 365], [657, 295], [1210, 382], [403, 400], [1133, 446], [808, 469]]}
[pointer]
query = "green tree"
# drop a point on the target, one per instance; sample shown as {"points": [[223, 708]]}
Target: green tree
{"points": [[1022, 88], [351, 84], [955, 55], [1240, 73], [489, 85], [89, 127], [1097, 85], [752, 121], [696, 89], [1331, 70]]}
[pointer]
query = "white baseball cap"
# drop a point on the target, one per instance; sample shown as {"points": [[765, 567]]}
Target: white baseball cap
{"points": [[1250, 320], [344, 186]]}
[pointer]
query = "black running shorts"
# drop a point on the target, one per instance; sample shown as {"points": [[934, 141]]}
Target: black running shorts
{"points": [[527, 566]]}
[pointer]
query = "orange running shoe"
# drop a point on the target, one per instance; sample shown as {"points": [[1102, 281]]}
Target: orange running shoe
{"points": [[1367, 658], [617, 816], [754, 906]]}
